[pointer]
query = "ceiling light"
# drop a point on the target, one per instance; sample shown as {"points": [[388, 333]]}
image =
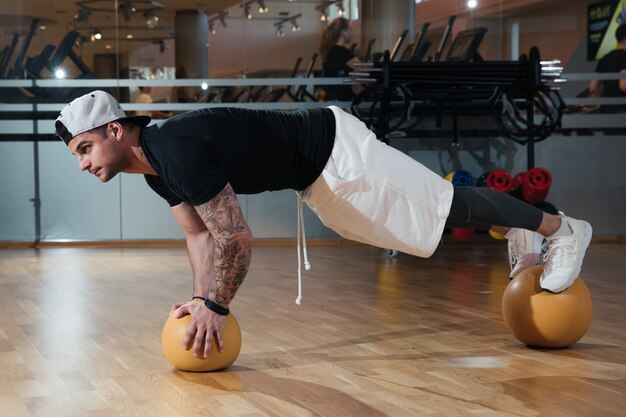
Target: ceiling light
{"points": [[127, 9], [222, 16], [324, 15], [279, 31], [472, 4], [82, 15], [152, 20], [263, 6], [340, 10], [96, 35]]}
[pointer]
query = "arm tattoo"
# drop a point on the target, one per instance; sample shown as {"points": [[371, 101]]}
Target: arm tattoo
{"points": [[224, 219]]}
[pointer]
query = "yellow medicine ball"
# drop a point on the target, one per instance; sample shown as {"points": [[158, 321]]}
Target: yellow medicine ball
{"points": [[181, 359], [542, 319]]}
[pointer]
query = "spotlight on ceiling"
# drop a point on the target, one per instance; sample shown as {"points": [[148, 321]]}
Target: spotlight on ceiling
{"points": [[279, 31], [152, 20], [96, 35], [82, 15], [127, 9], [222, 17], [324, 14], [340, 10]]}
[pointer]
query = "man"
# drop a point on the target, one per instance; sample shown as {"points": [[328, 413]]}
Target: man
{"points": [[359, 187], [613, 62]]}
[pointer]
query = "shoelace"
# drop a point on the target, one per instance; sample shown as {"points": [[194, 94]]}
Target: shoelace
{"points": [[558, 250], [307, 265]]}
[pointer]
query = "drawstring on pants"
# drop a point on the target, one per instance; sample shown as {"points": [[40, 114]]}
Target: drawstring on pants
{"points": [[307, 265]]}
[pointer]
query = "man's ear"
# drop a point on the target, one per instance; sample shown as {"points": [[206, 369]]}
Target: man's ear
{"points": [[116, 130]]}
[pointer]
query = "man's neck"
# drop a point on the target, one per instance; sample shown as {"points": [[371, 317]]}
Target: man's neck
{"points": [[139, 161], [141, 165]]}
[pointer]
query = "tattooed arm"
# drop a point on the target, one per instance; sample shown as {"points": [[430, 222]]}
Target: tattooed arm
{"points": [[233, 244], [200, 247], [232, 239]]}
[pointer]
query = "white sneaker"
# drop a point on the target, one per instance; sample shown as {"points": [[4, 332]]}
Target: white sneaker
{"points": [[564, 257], [524, 249]]}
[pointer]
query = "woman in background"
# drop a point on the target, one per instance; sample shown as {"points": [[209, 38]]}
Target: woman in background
{"points": [[337, 57]]}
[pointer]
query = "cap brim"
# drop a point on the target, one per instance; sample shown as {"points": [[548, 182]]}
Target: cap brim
{"points": [[142, 121]]}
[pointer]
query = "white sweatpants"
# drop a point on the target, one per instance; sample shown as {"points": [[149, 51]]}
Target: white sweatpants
{"points": [[372, 193]]}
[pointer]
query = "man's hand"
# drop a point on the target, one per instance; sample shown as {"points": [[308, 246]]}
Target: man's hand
{"points": [[204, 325]]}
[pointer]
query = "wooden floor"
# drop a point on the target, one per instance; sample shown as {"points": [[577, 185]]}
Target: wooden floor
{"points": [[80, 336]]}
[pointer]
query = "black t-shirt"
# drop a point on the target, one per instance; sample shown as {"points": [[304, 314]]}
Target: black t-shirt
{"points": [[336, 66], [336, 61], [196, 154], [614, 61]]}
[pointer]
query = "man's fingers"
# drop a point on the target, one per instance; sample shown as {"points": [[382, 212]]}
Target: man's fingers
{"points": [[197, 345], [220, 341], [175, 307], [207, 344], [189, 335], [182, 311], [203, 327]]}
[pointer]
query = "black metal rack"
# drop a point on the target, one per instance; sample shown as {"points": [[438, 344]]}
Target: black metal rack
{"points": [[510, 91]]}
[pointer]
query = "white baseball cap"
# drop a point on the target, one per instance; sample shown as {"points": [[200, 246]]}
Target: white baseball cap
{"points": [[90, 111]]}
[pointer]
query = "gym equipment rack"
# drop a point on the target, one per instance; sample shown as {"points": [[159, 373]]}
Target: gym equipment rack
{"points": [[511, 91]]}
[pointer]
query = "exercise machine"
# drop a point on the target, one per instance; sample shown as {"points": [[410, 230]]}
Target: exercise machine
{"points": [[444, 38], [277, 94], [416, 51], [7, 53], [465, 45]]}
